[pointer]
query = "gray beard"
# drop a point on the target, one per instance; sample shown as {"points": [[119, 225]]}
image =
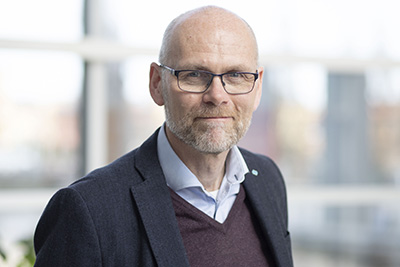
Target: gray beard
{"points": [[203, 139]]}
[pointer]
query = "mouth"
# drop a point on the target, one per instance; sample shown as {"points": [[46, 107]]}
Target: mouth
{"points": [[215, 119]]}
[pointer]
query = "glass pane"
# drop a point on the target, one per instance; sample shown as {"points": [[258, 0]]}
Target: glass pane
{"points": [[41, 20], [133, 114], [39, 118], [357, 236], [383, 99], [329, 127]]}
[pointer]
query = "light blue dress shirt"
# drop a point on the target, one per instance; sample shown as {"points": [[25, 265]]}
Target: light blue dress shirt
{"points": [[180, 179]]}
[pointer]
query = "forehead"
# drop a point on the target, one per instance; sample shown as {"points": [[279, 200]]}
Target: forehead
{"points": [[214, 37]]}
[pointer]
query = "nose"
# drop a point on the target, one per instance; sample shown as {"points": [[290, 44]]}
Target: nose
{"points": [[216, 93]]}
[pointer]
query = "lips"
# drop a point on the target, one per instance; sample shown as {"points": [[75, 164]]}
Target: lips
{"points": [[213, 114], [214, 118]]}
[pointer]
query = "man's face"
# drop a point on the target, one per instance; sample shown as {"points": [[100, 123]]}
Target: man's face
{"points": [[214, 121]]}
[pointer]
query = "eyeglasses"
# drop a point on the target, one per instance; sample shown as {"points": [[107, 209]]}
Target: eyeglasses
{"points": [[198, 81]]}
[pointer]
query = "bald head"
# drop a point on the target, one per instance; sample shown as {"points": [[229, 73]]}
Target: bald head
{"points": [[211, 25]]}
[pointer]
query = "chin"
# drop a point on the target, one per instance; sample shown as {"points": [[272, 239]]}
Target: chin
{"points": [[214, 143]]}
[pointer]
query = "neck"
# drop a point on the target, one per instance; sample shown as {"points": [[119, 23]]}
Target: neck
{"points": [[208, 168]]}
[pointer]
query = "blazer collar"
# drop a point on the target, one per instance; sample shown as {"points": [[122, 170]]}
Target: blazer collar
{"points": [[152, 197], [260, 194]]}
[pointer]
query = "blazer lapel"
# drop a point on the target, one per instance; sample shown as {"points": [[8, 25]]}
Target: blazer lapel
{"points": [[260, 195], [154, 203]]}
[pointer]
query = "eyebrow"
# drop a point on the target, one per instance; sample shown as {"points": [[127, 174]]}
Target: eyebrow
{"points": [[194, 67], [234, 68]]}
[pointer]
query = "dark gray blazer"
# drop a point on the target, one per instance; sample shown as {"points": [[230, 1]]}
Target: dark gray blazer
{"points": [[122, 215]]}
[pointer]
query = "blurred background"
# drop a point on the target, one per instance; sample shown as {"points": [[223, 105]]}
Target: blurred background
{"points": [[74, 96]]}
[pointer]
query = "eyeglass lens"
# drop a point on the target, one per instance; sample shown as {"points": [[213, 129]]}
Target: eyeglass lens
{"points": [[199, 81]]}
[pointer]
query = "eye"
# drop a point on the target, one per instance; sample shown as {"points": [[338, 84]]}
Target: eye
{"points": [[193, 74], [235, 75]]}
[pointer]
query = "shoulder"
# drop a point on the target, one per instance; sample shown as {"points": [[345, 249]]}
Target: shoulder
{"points": [[118, 173], [98, 211]]}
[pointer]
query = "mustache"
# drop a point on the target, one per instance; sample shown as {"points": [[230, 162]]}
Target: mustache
{"points": [[205, 111]]}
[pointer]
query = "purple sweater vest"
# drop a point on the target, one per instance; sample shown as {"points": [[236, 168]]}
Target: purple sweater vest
{"points": [[208, 243]]}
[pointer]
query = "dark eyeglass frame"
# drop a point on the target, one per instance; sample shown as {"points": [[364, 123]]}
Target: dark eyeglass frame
{"points": [[176, 73]]}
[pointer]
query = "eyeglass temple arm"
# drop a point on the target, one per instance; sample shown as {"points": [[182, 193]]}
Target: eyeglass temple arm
{"points": [[173, 72]]}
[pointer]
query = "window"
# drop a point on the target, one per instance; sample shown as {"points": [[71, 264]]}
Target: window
{"points": [[39, 118], [74, 96]]}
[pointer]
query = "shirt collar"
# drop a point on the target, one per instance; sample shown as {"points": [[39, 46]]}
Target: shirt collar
{"points": [[178, 176]]}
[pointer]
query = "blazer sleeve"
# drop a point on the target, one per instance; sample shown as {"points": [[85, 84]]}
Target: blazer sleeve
{"points": [[66, 235]]}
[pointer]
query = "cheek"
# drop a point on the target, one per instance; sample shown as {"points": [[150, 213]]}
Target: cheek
{"points": [[253, 103], [182, 103], [245, 105], [187, 101]]}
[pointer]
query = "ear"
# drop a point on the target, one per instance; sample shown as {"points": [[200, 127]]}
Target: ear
{"points": [[155, 84], [258, 88]]}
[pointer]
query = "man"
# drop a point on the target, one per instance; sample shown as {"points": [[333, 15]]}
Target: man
{"points": [[188, 196]]}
